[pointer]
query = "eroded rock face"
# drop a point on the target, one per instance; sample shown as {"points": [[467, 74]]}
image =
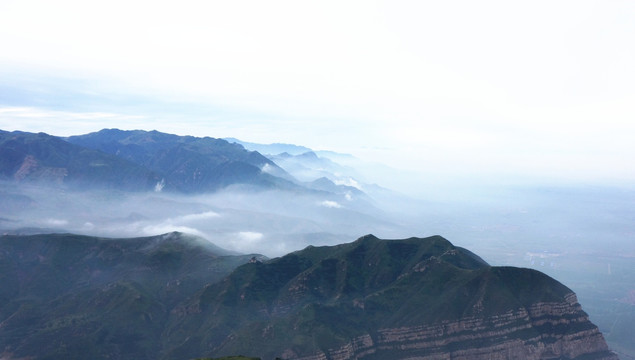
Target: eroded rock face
{"points": [[533, 333]]}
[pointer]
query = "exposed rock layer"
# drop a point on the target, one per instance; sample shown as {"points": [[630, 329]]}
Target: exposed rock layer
{"points": [[534, 333]]}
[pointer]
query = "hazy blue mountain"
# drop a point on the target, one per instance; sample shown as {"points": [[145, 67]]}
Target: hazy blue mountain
{"points": [[271, 149], [348, 174], [309, 166], [29, 157], [189, 163], [291, 149], [305, 164], [151, 160], [325, 184]]}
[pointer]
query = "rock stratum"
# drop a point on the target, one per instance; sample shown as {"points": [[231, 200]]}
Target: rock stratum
{"points": [[175, 297], [499, 337]]}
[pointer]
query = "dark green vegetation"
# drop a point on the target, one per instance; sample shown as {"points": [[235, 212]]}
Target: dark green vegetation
{"points": [[135, 160], [321, 297], [74, 297], [173, 297]]}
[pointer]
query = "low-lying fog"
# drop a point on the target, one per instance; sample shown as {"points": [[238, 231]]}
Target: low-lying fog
{"points": [[487, 220], [268, 222]]}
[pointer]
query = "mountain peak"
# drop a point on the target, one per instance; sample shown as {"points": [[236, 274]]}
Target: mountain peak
{"points": [[308, 155], [369, 238]]}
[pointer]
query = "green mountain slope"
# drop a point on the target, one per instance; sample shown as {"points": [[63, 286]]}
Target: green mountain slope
{"points": [[67, 296], [344, 302]]}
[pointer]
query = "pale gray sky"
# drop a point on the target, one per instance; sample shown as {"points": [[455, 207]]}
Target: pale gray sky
{"points": [[541, 88]]}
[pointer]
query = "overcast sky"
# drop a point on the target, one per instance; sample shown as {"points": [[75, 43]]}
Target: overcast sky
{"points": [[504, 88]]}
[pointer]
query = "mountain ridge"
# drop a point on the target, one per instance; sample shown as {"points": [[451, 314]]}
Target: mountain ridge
{"points": [[137, 160], [191, 164], [317, 304]]}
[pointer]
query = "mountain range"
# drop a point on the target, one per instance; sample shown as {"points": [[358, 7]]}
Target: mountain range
{"points": [[45, 158], [136, 160], [176, 296], [188, 163]]}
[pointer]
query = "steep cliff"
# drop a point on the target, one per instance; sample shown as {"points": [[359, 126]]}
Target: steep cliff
{"points": [[533, 333]]}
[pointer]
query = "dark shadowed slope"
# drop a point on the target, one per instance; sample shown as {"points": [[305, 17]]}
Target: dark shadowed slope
{"points": [[75, 297]]}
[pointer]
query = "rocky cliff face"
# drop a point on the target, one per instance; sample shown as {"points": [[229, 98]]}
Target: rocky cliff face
{"points": [[533, 333]]}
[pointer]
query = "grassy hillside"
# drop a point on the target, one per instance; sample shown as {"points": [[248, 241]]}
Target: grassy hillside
{"points": [[321, 297], [67, 296]]}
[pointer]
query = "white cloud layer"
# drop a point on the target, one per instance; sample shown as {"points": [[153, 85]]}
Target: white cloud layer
{"points": [[330, 204], [348, 182], [244, 241], [156, 229], [197, 217], [56, 222]]}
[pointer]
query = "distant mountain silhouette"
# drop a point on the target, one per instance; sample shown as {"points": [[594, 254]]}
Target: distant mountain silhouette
{"points": [[138, 161], [188, 163], [271, 149], [45, 158], [303, 163]]}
